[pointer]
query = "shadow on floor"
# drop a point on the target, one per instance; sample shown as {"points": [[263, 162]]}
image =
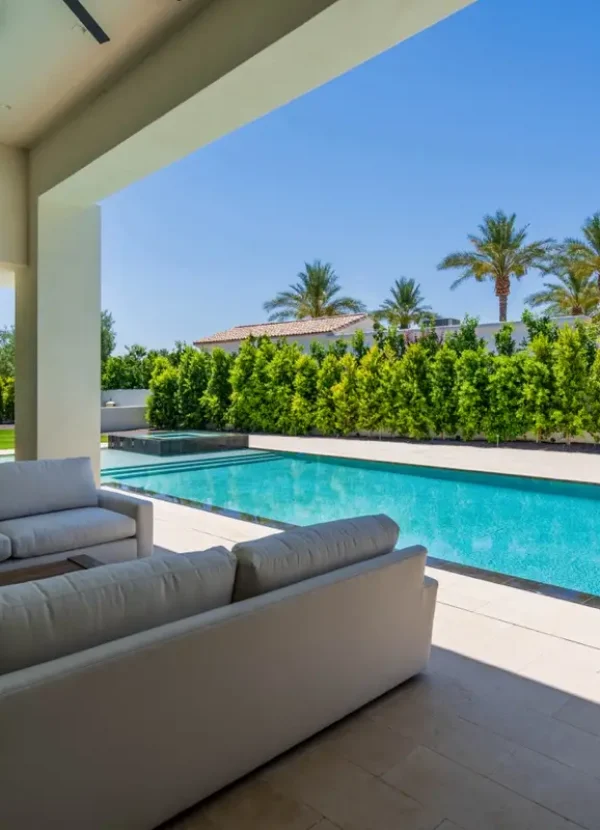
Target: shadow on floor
{"points": [[466, 746]]}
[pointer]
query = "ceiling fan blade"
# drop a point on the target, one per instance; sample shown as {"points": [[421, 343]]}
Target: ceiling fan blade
{"points": [[86, 19]]}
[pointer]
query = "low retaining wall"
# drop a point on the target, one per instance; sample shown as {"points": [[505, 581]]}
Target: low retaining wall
{"points": [[129, 411], [116, 418]]}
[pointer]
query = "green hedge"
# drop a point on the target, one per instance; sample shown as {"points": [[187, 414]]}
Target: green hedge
{"points": [[406, 384], [7, 400]]}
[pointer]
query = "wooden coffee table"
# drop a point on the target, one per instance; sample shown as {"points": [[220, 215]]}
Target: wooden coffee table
{"points": [[80, 562]]}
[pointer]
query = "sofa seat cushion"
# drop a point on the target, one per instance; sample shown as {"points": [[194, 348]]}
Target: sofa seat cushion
{"points": [[5, 548], [46, 619], [66, 530], [286, 558], [31, 487]]}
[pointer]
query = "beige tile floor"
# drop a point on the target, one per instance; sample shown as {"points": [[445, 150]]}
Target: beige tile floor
{"points": [[501, 733], [576, 466]]}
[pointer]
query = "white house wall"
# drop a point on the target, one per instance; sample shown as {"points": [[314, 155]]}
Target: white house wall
{"points": [[486, 331]]}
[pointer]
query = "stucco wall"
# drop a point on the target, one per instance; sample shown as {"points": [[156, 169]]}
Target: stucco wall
{"points": [[13, 207], [486, 331], [117, 418], [129, 413], [125, 397]]}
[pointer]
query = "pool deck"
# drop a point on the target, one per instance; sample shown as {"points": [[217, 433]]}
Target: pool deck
{"points": [[501, 733], [544, 462]]}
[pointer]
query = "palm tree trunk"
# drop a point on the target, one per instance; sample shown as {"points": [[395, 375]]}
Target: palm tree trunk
{"points": [[502, 292], [503, 304]]}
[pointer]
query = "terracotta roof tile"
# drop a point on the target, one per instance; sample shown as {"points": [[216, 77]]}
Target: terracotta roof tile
{"points": [[318, 325]]}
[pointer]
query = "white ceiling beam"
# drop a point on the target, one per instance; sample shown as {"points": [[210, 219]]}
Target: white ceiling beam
{"points": [[233, 63]]}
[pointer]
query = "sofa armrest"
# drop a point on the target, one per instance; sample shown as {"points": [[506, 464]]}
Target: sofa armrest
{"points": [[141, 510]]}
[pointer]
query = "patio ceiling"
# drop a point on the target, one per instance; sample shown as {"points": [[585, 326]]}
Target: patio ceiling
{"points": [[49, 62]]}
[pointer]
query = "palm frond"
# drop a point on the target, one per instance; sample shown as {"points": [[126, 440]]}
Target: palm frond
{"points": [[499, 253], [406, 305], [315, 294]]}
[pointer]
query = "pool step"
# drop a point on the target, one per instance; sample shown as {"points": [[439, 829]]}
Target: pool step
{"points": [[196, 459], [190, 465]]}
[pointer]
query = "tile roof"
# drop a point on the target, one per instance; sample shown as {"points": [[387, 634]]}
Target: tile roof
{"points": [[317, 325]]}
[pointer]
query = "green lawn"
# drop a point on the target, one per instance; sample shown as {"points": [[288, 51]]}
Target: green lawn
{"points": [[7, 439]]}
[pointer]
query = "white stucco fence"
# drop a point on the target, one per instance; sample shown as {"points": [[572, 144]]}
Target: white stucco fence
{"points": [[129, 411]]}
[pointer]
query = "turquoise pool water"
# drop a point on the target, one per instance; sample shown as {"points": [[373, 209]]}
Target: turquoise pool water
{"points": [[541, 530]]}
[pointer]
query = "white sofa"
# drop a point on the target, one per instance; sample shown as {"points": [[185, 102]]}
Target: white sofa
{"points": [[127, 733], [51, 509]]}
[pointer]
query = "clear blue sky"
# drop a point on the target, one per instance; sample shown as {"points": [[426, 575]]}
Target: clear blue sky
{"points": [[382, 172]]}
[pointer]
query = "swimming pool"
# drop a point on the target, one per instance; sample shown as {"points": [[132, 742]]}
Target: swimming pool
{"points": [[547, 531]]}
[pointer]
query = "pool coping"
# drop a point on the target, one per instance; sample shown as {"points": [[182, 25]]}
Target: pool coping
{"points": [[199, 505], [345, 453], [522, 584]]}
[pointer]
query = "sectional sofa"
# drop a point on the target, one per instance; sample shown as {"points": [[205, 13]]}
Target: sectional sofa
{"points": [[130, 692], [51, 510]]}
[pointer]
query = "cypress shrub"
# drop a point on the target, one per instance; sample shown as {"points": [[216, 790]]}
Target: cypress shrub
{"points": [[373, 400], [240, 410], [444, 392], [472, 378], [304, 399], [594, 398], [417, 389], [281, 374], [217, 395], [413, 386], [506, 419], [192, 380], [258, 392], [539, 384], [345, 396], [7, 402], [571, 377], [161, 408], [329, 374]]}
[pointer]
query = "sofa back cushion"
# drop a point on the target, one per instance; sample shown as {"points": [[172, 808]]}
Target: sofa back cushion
{"points": [[5, 547], [43, 620], [286, 558], [31, 487]]}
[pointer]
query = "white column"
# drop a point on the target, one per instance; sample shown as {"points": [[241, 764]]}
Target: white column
{"points": [[58, 335], [13, 212]]}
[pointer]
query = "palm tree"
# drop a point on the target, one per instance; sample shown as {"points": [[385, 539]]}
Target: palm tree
{"points": [[500, 253], [314, 295], [406, 305], [587, 251], [574, 292]]}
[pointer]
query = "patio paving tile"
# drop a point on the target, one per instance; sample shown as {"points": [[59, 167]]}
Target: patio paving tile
{"points": [[560, 788], [486, 681], [582, 714], [441, 730], [254, 805], [350, 796], [475, 802], [369, 744], [535, 730]]}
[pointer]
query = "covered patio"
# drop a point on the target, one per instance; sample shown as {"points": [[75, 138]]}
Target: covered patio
{"points": [[89, 106], [503, 731]]}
